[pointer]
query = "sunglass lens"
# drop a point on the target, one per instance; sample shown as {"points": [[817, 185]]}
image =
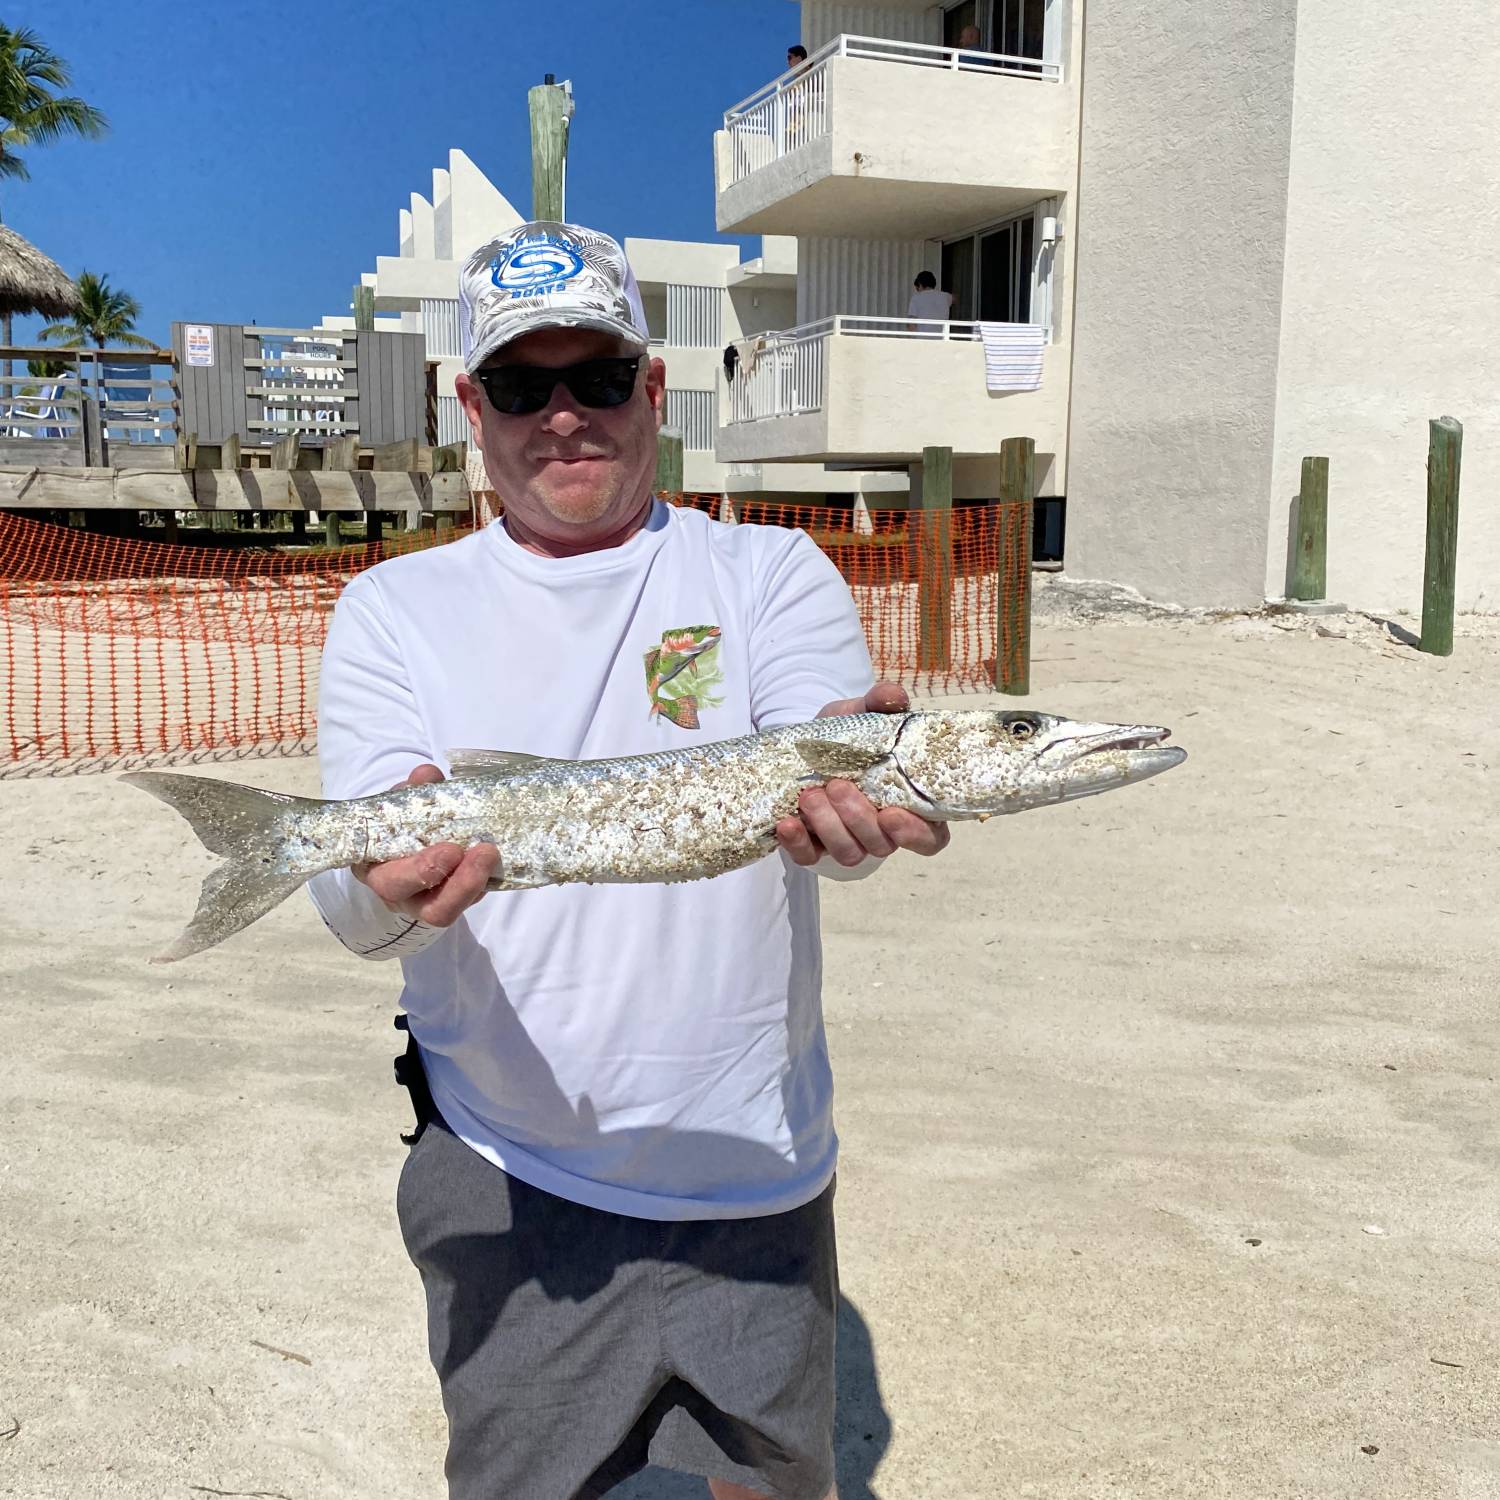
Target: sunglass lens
{"points": [[519, 390]]}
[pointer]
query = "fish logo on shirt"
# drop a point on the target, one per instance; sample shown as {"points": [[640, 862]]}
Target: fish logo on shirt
{"points": [[682, 673]]}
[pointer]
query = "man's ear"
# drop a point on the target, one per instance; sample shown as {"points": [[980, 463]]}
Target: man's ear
{"points": [[656, 388], [471, 398]]}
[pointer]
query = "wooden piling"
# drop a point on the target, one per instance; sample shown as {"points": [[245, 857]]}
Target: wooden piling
{"points": [[1013, 566], [548, 104], [934, 558], [1310, 564], [364, 308], [668, 462], [1444, 449]]}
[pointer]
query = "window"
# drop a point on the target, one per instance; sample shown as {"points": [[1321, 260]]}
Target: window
{"points": [[1012, 28], [1001, 274]]}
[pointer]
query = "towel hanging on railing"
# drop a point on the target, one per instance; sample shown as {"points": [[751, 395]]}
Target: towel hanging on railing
{"points": [[1013, 355]]}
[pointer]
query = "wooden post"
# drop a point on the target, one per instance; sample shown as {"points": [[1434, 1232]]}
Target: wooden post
{"points": [[1310, 567], [1013, 566], [668, 462], [364, 308], [331, 529], [550, 107], [341, 452], [1444, 448], [934, 559], [285, 449], [432, 403], [229, 453]]}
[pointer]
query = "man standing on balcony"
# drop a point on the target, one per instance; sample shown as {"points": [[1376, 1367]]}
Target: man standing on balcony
{"points": [[620, 1194], [929, 304]]}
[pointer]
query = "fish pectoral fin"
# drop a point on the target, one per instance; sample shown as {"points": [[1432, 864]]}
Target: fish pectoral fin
{"points": [[509, 880], [498, 762], [835, 758]]}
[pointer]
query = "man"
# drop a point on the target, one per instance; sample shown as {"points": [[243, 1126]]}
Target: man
{"points": [[620, 1197], [929, 304], [796, 58]]}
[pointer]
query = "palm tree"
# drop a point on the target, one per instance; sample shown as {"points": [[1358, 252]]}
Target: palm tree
{"points": [[105, 316], [31, 114]]}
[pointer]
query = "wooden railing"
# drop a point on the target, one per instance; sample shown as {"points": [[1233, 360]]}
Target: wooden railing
{"points": [[103, 406]]}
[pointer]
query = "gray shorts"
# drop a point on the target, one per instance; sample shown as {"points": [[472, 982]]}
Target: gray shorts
{"points": [[575, 1347]]}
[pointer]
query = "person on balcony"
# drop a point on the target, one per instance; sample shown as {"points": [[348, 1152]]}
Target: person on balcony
{"points": [[796, 58], [620, 1190], [929, 304]]}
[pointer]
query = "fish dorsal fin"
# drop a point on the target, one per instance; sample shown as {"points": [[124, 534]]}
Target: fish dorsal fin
{"points": [[498, 763], [836, 758]]}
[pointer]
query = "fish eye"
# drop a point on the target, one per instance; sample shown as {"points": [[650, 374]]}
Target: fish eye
{"points": [[1022, 730]]}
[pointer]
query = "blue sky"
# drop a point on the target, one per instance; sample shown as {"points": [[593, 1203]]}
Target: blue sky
{"points": [[259, 152]]}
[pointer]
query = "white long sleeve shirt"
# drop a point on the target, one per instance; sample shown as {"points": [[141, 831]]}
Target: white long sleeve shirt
{"points": [[653, 1050]]}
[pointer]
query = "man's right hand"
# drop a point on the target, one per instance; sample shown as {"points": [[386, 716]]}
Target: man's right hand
{"points": [[436, 885]]}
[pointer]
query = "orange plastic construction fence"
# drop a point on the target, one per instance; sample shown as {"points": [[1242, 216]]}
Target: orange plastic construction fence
{"points": [[116, 653]]}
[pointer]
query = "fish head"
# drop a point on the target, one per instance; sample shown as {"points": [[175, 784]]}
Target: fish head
{"points": [[973, 763]]}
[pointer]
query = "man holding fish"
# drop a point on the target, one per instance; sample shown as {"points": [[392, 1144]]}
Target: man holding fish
{"points": [[620, 1195]]}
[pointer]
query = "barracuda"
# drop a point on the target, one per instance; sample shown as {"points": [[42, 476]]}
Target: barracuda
{"points": [[668, 816]]}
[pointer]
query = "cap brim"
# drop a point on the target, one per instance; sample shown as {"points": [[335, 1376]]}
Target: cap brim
{"points": [[549, 317]]}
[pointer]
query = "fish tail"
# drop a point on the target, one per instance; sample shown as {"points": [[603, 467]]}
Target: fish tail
{"points": [[683, 711], [248, 827]]}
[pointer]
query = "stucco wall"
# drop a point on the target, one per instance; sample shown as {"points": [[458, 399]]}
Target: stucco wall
{"points": [[1181, 224], [1391, 310]]}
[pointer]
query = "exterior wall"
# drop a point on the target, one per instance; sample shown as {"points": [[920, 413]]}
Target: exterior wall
{"points": [[1391, 311], [869, 277], [757, 309], [477, 209], [1178, 286], [822, 20]]}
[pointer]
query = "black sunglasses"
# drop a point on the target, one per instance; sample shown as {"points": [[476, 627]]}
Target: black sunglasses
{"points": [[518, 390]]}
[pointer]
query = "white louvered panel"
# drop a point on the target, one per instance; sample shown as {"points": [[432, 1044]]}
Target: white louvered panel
{"points": [[822, 20], [871, 278], [451, 423], [694, 316], [440, 326], [693, 414]]}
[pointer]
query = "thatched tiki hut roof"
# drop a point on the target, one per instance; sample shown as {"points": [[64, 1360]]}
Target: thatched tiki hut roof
{"points": [[30, 282]]}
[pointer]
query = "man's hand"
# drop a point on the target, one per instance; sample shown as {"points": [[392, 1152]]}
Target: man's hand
{"points": [[437, 884], [838, 819]]}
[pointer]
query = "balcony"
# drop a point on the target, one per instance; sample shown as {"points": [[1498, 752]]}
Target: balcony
{"points": [[872, 135], [879, 390]]}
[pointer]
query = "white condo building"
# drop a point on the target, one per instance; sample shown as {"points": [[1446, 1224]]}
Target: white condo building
{"points": [[1241, 234], [698, 298]]}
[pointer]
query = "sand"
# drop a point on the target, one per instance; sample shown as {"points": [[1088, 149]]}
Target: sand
{"points": [[1169, 1121]]}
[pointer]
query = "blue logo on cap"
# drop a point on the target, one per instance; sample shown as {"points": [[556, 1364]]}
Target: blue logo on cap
{"points": [[536, 267]]}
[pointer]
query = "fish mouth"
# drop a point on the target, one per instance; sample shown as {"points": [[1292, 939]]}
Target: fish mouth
{"points": [[1137, 737], [1143, 746]]}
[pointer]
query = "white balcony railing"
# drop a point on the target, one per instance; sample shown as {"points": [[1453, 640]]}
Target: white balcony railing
{"points": [[781, 374], [792, 110]]}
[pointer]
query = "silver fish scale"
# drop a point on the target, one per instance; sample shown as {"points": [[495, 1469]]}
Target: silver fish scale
{"points": [[668, 815]]}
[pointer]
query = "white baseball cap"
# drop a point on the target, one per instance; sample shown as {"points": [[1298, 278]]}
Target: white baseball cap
{"points": [[546, 275]]}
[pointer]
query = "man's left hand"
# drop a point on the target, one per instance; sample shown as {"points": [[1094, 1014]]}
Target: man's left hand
{"points": [[839, 820]]}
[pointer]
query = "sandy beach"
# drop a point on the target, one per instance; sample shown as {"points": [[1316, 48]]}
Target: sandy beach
{"points": [[1170, 1120]]}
